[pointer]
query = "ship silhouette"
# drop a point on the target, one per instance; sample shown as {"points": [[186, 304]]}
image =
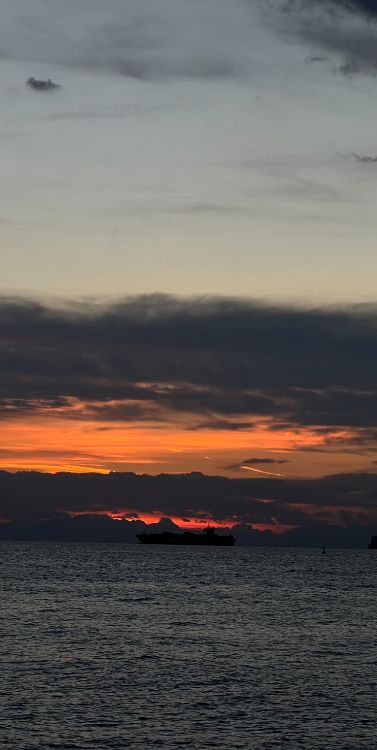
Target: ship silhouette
{"points": [[209, 537]]}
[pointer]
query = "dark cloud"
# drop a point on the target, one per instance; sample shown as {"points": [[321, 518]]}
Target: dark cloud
{"points": [[208, 362], [223, 424], [365, 159], [42, 85], [343, 27], [255, 462], [367, 8], [94, 528], [343, 500]]}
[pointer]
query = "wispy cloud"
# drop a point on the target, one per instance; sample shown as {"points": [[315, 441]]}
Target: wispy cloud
{"points": [[251, 464]]}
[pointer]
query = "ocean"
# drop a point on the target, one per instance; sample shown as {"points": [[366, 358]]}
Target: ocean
{"points": [[114, 647]]}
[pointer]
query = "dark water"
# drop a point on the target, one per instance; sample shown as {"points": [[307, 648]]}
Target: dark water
{"points": [[140, 647]]}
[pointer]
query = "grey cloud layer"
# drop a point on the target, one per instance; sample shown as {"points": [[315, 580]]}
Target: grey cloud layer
{"points": [[137, 38], [213, 360], [176, 38]]}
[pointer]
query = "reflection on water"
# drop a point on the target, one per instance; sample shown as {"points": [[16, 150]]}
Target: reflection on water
{"points": [[113, 647]]}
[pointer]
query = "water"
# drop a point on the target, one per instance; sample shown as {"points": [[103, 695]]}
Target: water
{"points": [[115, 647]]}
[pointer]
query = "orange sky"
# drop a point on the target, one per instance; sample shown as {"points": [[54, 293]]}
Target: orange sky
{"points": [[57, 442]]}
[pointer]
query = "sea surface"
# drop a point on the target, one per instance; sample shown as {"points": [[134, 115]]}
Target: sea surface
{"points": [[116, 647]]}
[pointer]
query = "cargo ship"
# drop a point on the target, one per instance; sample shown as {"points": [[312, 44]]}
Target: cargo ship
{"points": [[209, 537]]}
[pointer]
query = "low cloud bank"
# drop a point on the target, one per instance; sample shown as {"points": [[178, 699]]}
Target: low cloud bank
{"points": [[99, 529], [33, 503]]}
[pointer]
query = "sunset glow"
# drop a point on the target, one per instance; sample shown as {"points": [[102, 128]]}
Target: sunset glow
{"points": [[60, 443], [187, 303]]}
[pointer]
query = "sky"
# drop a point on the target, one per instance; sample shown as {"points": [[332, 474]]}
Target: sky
{"points": [[187, 245], [194, 147]]}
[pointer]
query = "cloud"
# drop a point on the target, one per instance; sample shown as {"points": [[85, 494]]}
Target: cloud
{"points": [[250, 462], [315, 59], [208, 362], [224, 424], [256, 461], [145, 40], [365, 159], [41, 85], [353, 8], [94, 528], [367, 8], [343, 499], [141, 39], [342, 27]]}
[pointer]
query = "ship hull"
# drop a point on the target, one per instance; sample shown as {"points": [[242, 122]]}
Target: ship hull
{"points": [[187, 539]]}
